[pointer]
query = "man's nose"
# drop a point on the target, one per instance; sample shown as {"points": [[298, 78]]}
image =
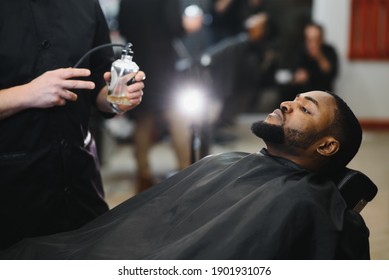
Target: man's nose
{"points": [[286, 107]]}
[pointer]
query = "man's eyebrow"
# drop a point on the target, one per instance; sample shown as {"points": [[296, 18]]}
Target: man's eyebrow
{"points": [[314, 101]]}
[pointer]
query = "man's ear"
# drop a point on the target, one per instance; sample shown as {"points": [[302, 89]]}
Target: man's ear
{"points": [[328, 146]]}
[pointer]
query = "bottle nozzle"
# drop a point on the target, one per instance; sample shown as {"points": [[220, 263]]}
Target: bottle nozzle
{"points": [[129, 50]]}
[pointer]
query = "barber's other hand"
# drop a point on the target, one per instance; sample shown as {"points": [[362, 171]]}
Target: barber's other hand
{"points": [[134, 91], [54, 88]]}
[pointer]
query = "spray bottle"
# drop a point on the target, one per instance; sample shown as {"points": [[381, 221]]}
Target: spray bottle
{"points": [[120, 72]]}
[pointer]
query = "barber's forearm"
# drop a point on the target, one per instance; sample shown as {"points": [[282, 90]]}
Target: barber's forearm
{"points": [[101, 102], [13, 100]]}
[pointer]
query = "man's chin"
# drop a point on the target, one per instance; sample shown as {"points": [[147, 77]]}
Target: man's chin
{"points": [[268, 132]]}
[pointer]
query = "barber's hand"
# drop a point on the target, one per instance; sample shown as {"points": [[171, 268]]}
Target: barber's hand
{"points": [[54, 88], [134, 90]]}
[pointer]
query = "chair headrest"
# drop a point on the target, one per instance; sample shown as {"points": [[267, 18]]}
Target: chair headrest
{"points": [[356, 188]]}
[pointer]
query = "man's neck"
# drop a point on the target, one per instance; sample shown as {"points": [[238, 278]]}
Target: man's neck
{"points": [[300, 157]]}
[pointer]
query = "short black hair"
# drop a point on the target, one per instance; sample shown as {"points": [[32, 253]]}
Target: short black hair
{"points": [[347, 130]]}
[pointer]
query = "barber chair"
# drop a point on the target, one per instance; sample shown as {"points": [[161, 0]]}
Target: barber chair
{"points": [[356, 188]]}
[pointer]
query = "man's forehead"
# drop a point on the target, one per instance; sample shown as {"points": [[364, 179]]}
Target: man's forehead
{"points": [[309, 98], [318, 97]]}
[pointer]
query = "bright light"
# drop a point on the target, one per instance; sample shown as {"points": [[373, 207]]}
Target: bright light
{"points": [[191, 101]]}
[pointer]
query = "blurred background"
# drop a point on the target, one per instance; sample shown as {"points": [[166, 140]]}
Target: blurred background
{"points": [[234, 61]]}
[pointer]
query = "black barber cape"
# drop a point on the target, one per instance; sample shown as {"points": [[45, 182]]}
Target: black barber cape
{"points": [[227, 206]]}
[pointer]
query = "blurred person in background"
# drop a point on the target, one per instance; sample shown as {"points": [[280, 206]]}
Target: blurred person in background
{"points": [[49, 177], [316, 64], [241, 67], [151, 26], [243, 35]]}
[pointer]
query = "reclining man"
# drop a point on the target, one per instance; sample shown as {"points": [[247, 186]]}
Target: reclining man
{"points": [[274, 204]]}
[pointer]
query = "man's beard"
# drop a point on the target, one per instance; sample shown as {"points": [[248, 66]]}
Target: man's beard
{"points": [[269, 132], [275, 134]]}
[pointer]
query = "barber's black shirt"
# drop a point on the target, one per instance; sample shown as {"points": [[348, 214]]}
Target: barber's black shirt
{"points": [[49, 177]]}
